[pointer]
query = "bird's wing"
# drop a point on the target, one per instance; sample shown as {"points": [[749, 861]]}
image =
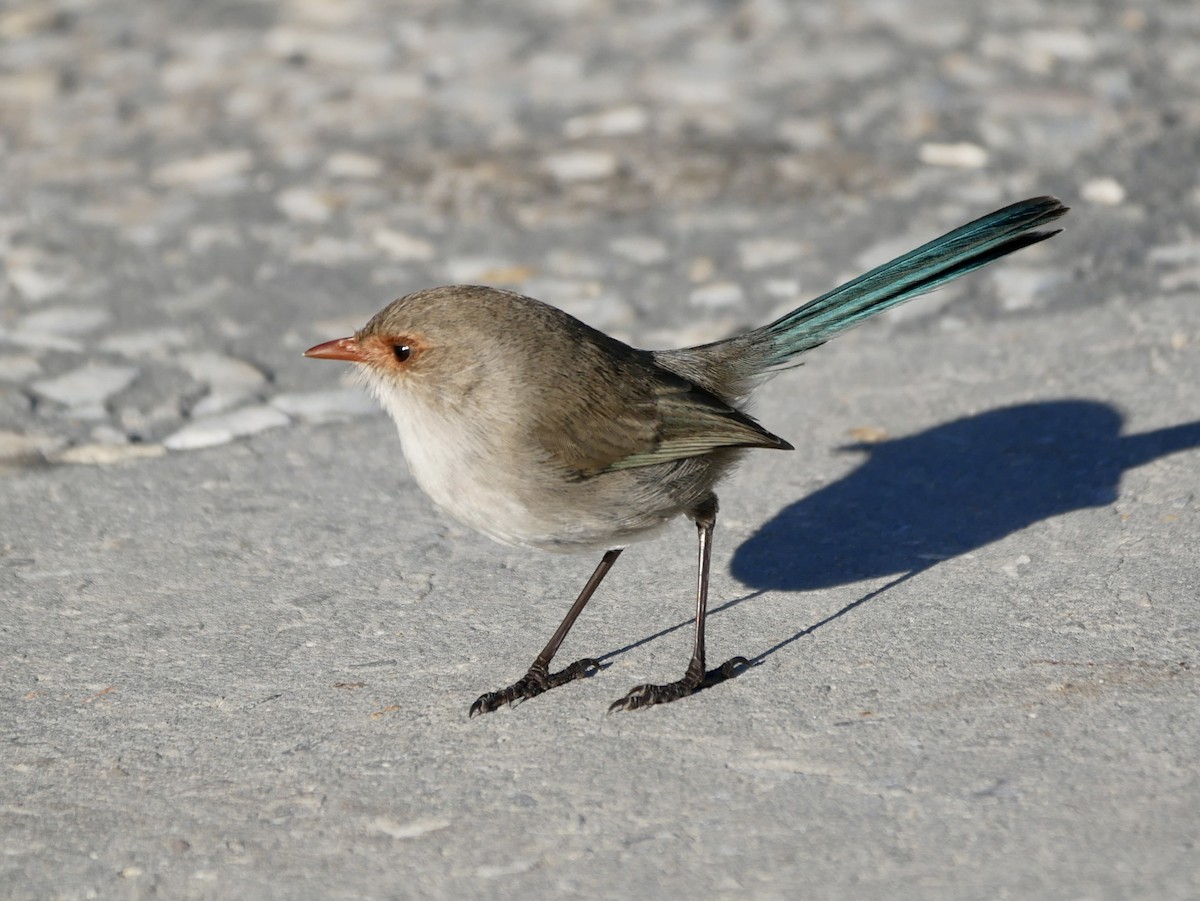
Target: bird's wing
{"points": [[690, 423], [657, 418]]}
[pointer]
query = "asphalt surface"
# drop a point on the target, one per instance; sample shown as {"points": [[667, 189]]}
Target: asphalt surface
{"points": [[238, 645]]}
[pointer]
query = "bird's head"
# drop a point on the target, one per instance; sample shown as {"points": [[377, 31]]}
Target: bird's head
{"points": [[439, 346]]}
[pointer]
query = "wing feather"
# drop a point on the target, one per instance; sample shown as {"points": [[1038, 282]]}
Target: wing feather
{"points": [[638, 414]]}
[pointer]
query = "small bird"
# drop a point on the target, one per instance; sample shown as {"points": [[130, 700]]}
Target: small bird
{"points": [[539, 431]]}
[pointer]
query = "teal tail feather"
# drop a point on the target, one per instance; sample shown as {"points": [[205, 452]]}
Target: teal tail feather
{"points": [[915, 273], [731, 368]]}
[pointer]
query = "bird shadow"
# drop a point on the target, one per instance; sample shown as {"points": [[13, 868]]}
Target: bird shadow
{"points": [[927, 497]]}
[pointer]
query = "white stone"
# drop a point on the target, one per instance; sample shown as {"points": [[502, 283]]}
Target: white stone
{"points": [[216, 430], [340, 326], [325, 406], [928, 30], [573, 264], [401, 246], [807, 134], [560, 291], [962, 155], [63, 321], [471, 270], [326, 14], [330, 251], [90, 412], [34, 285], [758, 253], [304, 205], [412, 829], [102, 454], [210, 167], [1020, 286], [230, 381], [148, 343], [1103, 191], [34, 89], [1180, 279], [1175, 254], [621, 120], [718, 294], [106, 434], [782, 287], [391, 87], [40, 341], [218, 370], [602, 311], [581, 165], [1012, 568], [18, 367], [16, 446], [690, 87], [640, 249], [87, 385], [354, 165], [218, 400], [204, 238], [20, 23], [701, 269], [1062, 43], [332, 48]]}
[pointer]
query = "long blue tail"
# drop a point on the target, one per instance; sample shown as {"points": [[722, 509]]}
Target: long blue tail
{"points": [[731, 367], [930, 266]]}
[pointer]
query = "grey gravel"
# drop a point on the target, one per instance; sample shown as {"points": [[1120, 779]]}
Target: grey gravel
{"points": [[325, 406], [64, 321], [228, 381], [18, 367], [210, 431], [29, 447], [87, 385], [239, 645]]}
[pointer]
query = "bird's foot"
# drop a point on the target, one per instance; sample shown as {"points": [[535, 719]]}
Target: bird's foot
{"points": [[695, 680], [533, 683]]}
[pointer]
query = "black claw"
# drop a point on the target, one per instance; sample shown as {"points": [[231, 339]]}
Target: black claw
{"points": [[534, 683], [648, 695], [580, 669], [735, 666]]}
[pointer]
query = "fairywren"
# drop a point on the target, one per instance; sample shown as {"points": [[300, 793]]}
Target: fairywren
{"points": [[537, 430]]}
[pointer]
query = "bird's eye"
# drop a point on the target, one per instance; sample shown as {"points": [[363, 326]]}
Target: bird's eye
{"points": [[401, 352]]}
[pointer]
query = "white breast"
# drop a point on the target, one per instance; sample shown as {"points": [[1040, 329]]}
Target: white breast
{"points": [[464, 470], [477, 472]]}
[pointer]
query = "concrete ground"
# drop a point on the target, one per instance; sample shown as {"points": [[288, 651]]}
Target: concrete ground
{"points": [[238, 645]]}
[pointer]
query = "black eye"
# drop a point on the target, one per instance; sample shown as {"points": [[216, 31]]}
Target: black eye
{"points": [[401, 352]]}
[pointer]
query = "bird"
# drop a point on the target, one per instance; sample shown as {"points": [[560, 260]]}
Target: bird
{"points": [[539, 431]]}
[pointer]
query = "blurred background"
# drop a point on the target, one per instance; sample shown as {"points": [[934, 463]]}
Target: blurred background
{"points": [[191, 193]]}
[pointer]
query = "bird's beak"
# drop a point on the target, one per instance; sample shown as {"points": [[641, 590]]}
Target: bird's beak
{"points": [[339, 349]]}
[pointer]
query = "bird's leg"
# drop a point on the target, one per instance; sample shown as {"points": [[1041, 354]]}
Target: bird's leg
{"points": [[539, 678], [696, 677]]}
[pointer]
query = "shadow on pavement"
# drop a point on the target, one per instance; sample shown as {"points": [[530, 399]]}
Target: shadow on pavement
{"points": [[943, 492], [934, 495], [951, 489]]}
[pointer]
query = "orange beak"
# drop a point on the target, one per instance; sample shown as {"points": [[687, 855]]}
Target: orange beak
{"points": [[338, 349]]}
